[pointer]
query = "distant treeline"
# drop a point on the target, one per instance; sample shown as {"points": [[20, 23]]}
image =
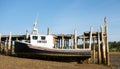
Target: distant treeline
{"points": [[114, 46]]}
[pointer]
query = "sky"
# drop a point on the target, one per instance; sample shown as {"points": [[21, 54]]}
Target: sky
{"points": [[61, 16]]}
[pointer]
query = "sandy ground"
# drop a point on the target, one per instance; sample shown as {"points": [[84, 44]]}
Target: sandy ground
{"points": [[8, 62], [115, 60]]}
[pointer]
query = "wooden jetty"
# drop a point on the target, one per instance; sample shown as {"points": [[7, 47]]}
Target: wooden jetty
{"points": [[97, 42]]}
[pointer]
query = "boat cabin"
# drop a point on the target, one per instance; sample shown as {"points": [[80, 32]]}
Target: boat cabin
{"points": [[42, 41]]}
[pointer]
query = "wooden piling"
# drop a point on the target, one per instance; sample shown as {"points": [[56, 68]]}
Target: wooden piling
{"points": [[0, 38], [16, 38], [6, 47], [55, 42], [48, 31], [84, 42], [106, 42], [103, 47], [27, 35], [62, 41], [67, 43], [0, 43], [12, 48], [94, 54], [107, 49], [99, 49], [72, 42], [75, 38], [9, 44], [90, 38], [59, 43]]}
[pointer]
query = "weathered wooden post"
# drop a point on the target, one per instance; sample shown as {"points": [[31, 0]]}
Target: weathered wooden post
{"points": [[72, 41], [99, 48], [12, 48], [6, 47], [75, 38], [55, 43], [0, 43], [103, 47], [16, 38], [68, 43], [94, 50], [84, 42], [9, 44], [90, 37], [0, 38], [107, 48], [58, 43], [62, 41], [27, 35], [106, 42], [48, 31]]}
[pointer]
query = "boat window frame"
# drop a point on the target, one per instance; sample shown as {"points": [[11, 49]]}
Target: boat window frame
{"points": [[34, 37], [43, 37]]}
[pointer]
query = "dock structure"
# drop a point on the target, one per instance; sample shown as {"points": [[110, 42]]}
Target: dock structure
{"points": [[97, 42]]}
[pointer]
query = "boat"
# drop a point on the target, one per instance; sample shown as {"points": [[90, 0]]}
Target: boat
{"points": [[44, 45]]}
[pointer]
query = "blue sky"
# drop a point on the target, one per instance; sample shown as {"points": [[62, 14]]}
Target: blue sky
{"points": [[61, 16]]}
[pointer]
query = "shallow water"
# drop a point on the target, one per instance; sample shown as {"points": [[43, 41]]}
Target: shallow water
{"points": [[115, 61]]}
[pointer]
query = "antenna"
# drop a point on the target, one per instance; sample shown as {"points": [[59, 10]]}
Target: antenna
{"points": [[35, 30], [37, 16], [36, 21]]}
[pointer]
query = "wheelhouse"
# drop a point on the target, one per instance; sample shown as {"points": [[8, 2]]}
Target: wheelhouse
{"points": [[42, 40]]}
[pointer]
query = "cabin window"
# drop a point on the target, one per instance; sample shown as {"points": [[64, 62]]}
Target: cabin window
{"points": [[35, 37], [43, 38]]}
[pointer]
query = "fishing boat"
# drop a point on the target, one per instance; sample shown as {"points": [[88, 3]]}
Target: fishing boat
{"points": [[44, 45]]}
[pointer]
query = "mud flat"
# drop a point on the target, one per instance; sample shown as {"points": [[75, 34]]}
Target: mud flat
{"points": [[115, 60], [8, 62]]}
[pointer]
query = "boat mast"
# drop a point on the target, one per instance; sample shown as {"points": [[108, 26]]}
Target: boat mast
{"points": [[35, 30]]}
